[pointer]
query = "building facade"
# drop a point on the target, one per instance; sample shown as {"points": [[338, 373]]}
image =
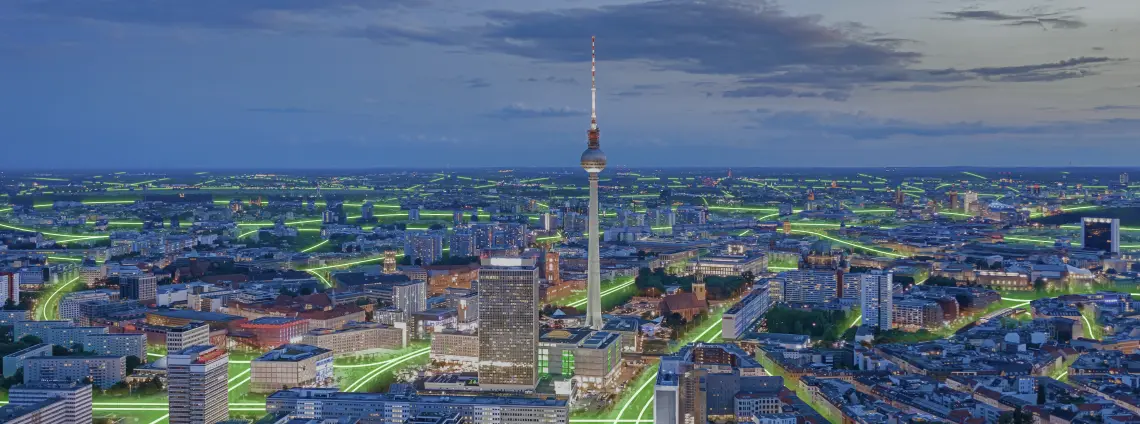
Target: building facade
{"points": [[198, 385], [508, 323]]}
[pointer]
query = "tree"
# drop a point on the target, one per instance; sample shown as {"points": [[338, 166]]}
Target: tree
{"points": [[1039, 284], [305, 291], [1042, 395], [132, 363], [31, 340], [748, 277]]}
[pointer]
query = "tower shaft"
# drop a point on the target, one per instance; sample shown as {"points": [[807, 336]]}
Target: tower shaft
{"points": [[594, 264]]}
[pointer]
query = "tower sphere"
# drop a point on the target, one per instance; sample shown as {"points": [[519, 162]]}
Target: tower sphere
{"points": [[593, 160]]}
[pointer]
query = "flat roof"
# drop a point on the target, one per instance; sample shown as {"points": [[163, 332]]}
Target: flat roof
{"points": [[194, 315]]}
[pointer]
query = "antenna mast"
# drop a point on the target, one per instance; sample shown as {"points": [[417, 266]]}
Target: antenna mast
{"points": [[594, 133]]}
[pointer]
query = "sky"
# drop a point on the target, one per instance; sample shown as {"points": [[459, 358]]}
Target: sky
{"points": [[183, 84]]}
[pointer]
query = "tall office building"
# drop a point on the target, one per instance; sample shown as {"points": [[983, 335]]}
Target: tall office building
{"points": [[462, 243], [424, 248], [457, 217], [484, 234], [713, 382], [508, 323], [1101, 234], [969, 201], [549, 222], [197, 378], [593, 162], [876, 300], [140, 287], [1124, 178], [510, 236]]}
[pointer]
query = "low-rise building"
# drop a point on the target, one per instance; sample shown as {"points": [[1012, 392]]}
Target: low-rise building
{"points": [[291, 365], [14, 361], [357, 337], [119, 344], [741, 316], [104, 371], [454, 346]]}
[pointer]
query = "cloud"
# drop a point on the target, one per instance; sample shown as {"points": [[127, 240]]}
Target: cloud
{"points": [[1056, 20], [553, 80], [719, 37], [284, 110], [1053, 71], [1115, 107], [863, 126], [232, 14], [523, 111], [769, 91], [476, 83], [931, 88]]}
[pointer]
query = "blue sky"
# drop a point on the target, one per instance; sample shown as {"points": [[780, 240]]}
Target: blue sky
{"points": [[388, 83]]}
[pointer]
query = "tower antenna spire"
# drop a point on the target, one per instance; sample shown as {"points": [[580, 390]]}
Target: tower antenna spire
{"points": [[594, 134]]}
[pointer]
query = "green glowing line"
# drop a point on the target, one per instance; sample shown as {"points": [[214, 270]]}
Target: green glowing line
{"points": [[368, 377], [47, 304], [608, 291], [869, 249], [974, 175], [28, 230], [323, 280], [60, 258], [314, 246], [242, 235]]}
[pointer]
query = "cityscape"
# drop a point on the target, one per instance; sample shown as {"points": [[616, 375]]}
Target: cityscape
{"points": [[647, 281]]}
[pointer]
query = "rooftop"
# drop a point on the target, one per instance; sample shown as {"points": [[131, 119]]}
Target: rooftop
{"points": [[291, 353]]}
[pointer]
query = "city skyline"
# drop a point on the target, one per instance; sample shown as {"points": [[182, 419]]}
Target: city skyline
{"points": [[367, 83]]}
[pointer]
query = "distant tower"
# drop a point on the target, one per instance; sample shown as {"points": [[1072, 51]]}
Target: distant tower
{"points": [[787, 227], [699, 289], [593, 162]]}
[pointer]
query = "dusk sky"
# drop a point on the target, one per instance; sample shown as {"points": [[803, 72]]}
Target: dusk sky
{"points": [[467, 83]]}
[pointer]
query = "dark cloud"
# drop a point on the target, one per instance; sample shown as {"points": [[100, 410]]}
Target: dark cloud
{"points": [[648, 86], [931, 88], [286, 110], [770, 91], [1115, 107], [522, 111], [1098, 49], [1054, 71], [553, 80], [862, 126], [476, 83], [1057, 20], [628, 94], [240, 14], [713, 37]]}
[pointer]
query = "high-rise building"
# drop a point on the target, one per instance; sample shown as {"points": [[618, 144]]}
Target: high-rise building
{"points": [[876, 300], [1100, 234], [1124, 178], [692, 215], [104, 371], [808, 286], [969, 201], [462, 243], [140, 287], [366, 211], [952, 196], [9, 287], [510, 236], [457, 217], [192, 334], [414, 214], [91, 272], [484, 235], [197, 384], [424, 249], [52, 402], [593, 162], [508, 323], [549, 222]]}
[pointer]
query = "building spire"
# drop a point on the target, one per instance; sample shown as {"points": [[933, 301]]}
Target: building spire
{"points": [[593, 134]]}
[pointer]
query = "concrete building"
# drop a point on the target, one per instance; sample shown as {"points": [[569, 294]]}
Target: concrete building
{"points": [[807, 286], [741, 316], [104, 371], [357, 337], [140, 287], [729, 266], [70, 336], [461, 243], [15, 360], [21, 329], [876, 300], [452, 346], [10, 287], [424, 249], [69, 304], [75, 399], [117, 344], [182, 337], [398, 407], [917, 313], [291, 365], [1100, 234], [508, 323], [198, 385]]}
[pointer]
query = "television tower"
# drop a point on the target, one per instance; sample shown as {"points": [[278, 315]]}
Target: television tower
{"points": [[593, 162]]}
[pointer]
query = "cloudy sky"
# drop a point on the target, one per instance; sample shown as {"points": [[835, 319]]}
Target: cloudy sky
{"points": [[459, 83]]}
